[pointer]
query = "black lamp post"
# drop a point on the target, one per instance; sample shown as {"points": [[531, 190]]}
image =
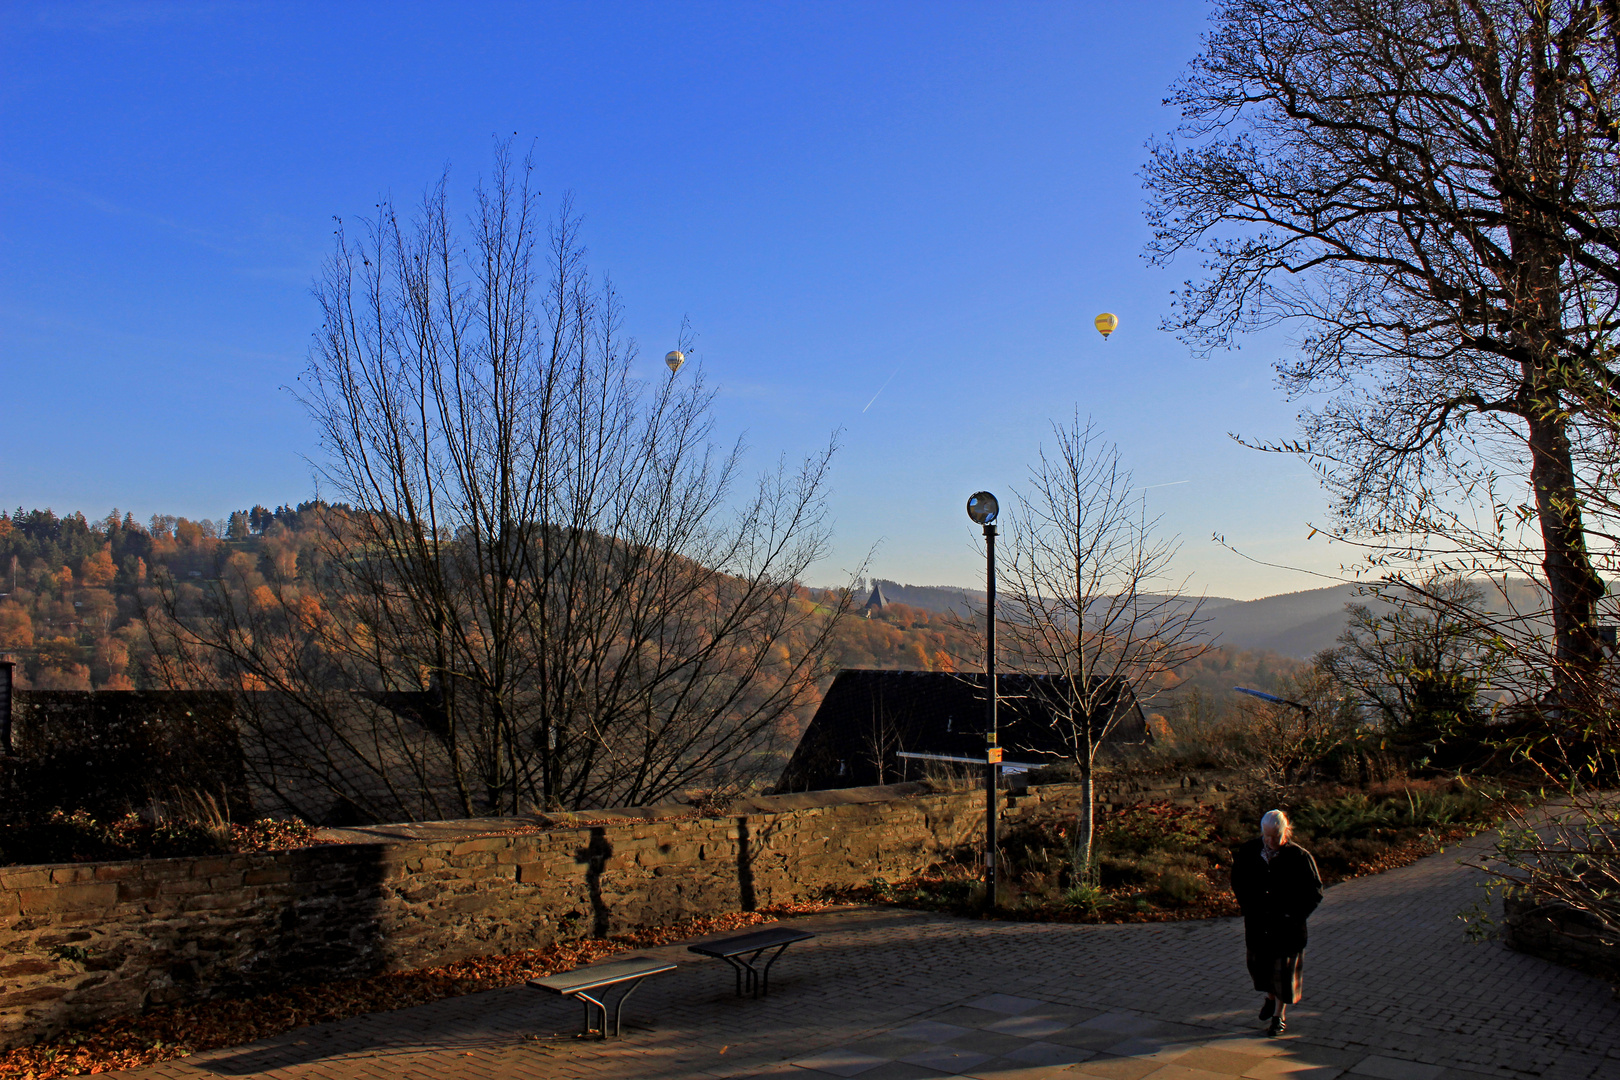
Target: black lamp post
{"points": [[982, 508]]}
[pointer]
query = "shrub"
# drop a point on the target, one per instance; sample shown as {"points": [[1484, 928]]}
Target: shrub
{"points": [[1120, 872], [1357, 815], [1348, 816], [1430, 809], [78, 837], [1181, 886], [1039, 846], [1177, 876], [1155, 826]]}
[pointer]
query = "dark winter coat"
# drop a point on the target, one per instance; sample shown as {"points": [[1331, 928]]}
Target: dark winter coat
{"points": [[1276, 897]]}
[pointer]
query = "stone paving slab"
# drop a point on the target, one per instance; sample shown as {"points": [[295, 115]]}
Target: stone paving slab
{"points": [[1393, 991]]}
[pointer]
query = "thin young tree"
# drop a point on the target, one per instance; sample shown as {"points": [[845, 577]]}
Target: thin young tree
{"points": [[1426, 193], [1092, 601]]}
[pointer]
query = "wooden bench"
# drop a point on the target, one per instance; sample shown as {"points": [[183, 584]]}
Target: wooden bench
{"points": [[582, 982], [743, 952]]}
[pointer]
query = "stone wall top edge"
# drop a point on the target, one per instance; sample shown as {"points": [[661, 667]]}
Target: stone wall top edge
{"points": [[457, 830], [406, 839]]}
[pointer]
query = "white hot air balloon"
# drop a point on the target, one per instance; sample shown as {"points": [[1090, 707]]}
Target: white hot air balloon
{"points": [[674, 358]]}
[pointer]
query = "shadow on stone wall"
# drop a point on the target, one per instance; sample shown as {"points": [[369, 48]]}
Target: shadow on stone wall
{"points": [[594, 856], [746, 900], [330, 925], [109, 939]]}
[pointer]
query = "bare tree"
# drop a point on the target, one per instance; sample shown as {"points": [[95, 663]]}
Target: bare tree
{"points": [[1427, 190], [1419, 659], [551, 554], [881, 741], [1275, 747], [1091, 600]]}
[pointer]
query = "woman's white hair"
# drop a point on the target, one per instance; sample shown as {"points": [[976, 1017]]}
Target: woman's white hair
{"points": [[1276, 819]]}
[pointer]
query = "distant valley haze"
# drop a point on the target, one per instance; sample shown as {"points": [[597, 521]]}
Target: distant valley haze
{"points": [[1297, 625]]}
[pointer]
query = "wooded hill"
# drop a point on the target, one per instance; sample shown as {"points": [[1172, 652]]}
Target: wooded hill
{"points": [[73, 590], [74, 593]]}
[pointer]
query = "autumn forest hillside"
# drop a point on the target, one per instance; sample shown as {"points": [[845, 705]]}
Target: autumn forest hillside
{"points": [[74, 592]]}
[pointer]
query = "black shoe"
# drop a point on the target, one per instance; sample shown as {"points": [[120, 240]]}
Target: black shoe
{"points": [[1277, 1027], [1267, 1009]]}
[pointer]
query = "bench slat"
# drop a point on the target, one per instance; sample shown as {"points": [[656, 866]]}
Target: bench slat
{"points": [[596, 976], [747, 943]]}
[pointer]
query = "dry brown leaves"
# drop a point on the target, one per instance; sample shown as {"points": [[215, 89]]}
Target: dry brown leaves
{"points": [[162, 1034], [1396, 856]]}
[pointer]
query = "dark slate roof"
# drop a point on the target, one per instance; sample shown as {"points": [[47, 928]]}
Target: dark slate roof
{"points": [[877, 599], [868, 716]]}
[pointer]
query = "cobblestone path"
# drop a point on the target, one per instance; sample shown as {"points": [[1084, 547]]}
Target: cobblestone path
{"points": [[1393, 991]]}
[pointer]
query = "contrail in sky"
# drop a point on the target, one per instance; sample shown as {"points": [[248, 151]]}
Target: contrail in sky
{"points": [[1172, 483], [882, 388]]}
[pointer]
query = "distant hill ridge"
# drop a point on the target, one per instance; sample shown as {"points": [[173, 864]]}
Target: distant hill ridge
{"points": [[1296, 624]]}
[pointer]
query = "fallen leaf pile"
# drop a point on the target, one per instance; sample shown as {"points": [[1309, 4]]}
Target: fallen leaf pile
{"points": [[178, 1031]]}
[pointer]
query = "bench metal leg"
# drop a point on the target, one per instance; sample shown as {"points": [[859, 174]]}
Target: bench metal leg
{"points": [[738, 967], [601, 1007], [757, 980], [618, 1011], [765, 975]]}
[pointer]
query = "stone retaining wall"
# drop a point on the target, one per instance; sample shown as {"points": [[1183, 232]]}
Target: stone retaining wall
{"points": [[1563, 935], [90, 941]]}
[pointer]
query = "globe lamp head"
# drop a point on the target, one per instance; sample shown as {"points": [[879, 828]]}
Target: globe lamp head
{"points": [[982, 508]]}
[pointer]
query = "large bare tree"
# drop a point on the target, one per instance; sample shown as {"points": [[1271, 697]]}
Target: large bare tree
{"points": [[545, 585], [1091, 600], [1427, 193]]}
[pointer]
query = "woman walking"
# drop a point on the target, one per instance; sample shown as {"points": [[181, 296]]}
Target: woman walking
{"points": [[1277, 887]]}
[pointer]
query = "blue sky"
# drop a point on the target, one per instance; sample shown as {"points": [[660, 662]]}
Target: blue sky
{"points": [[933, 199]]}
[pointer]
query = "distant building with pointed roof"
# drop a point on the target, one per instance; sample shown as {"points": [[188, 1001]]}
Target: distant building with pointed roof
{"points": [[876, 602]]}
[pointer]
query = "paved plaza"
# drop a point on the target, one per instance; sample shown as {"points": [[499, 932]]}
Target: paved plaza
{"points": [[1393, 990]]}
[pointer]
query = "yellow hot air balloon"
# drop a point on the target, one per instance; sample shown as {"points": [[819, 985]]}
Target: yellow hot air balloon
{"points": [[674, 358], [1106, 324]]}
